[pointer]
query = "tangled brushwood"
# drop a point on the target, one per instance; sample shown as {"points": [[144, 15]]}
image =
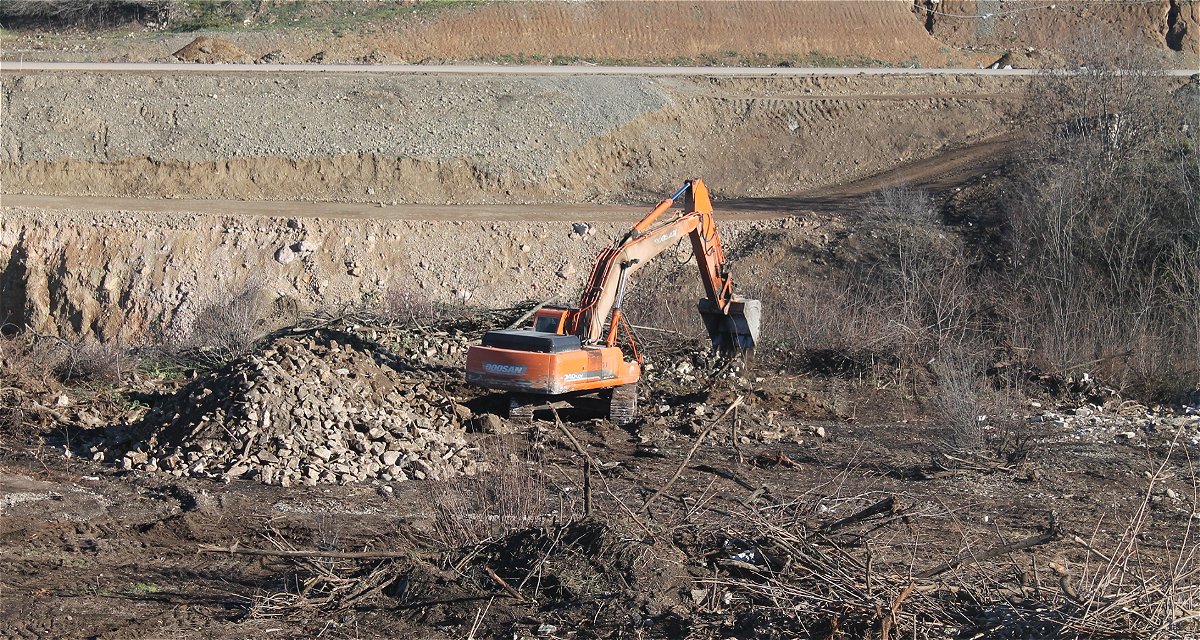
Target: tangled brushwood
{"points": [[768, 571]]}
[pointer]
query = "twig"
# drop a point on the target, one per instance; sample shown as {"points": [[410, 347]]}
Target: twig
{"points": [[234, 549], [678, 333], [1089, 547], [500, 581], [587, 462], [479, 613], [688, 457]]}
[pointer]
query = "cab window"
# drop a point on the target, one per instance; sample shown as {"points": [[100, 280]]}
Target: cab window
{"points": [[549, 324]]}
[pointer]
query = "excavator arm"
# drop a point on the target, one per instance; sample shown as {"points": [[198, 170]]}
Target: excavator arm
{"points": [[561, 354], [732, 322]]}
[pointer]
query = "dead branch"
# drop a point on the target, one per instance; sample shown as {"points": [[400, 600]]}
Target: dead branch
{"points": [[363, 555], [887, 505], [500, 581], [532, 311], [1032, 541], [688, 457]]}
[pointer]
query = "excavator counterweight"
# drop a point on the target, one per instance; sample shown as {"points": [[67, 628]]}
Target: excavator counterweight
{"points": [[567, 350]]}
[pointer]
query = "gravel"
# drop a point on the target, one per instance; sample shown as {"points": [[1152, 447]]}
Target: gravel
{"points": [[524, 123], [321, 408]]}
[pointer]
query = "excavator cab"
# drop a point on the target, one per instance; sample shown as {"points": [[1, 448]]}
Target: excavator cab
{"points": [[569, 351], [550, 320]]}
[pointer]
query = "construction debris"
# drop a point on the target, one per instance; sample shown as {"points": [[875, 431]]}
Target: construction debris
{"points": [[323, 407]]}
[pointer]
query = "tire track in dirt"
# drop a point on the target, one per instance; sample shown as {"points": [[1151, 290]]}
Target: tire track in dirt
{"points": [[944, 171]]}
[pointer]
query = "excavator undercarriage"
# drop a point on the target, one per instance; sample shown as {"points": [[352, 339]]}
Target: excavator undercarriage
{"points": [[567, 350]]}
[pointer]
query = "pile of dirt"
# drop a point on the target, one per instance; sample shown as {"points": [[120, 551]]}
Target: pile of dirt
{"points": [[318, 408], [207, 50]]}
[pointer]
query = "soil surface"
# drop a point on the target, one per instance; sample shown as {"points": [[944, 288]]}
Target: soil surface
{"points": [[372, 228], [760, 533]]}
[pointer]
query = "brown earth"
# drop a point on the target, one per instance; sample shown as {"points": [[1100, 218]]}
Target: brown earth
{"points": [[895, 32], [207, 50], [755, 539], [1170, 26], [757, 536]]}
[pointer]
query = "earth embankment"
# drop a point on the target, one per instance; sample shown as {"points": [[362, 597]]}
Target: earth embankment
{"points": [[462, 139]]}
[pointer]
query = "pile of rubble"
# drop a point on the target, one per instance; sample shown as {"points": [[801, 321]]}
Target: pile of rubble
{"points": [[322, 407], [1129, 423]]}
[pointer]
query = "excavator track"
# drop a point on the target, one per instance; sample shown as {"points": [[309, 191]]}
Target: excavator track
{"points": [[520, 407], [622, 407]]}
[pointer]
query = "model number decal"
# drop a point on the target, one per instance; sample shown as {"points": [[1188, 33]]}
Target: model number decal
{"points": [[580, 376], [502, 369], [673, 233]]}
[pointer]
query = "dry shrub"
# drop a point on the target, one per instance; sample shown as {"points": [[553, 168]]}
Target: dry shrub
{"points": [[81, 13], [29, 359], [956, 399], [1105, 224], [911, 293], [93, 361], [514, 494], [37, 362], [404, 306], [833, 326], [228, 327]]}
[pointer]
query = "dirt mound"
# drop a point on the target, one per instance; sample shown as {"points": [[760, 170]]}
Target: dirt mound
{"points": [[207, 50], [317, 408]]}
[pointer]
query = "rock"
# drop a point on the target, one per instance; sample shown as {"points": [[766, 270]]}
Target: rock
{"points": [[581, 228], [284, 255], [271, 417], [304, 247], [278, 56], [567, 271], [462, 412]]}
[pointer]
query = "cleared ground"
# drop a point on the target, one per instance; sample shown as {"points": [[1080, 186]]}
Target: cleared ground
{"points": [[817, 504]]}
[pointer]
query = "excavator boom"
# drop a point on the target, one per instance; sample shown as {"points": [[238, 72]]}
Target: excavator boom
{"points": [[567, 350], [732, 322]]}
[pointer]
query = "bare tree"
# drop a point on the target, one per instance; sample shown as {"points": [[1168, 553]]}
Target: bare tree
{"points": [[1103, 210]]}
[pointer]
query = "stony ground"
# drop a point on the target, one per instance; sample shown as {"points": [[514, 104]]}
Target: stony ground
{"points": [[807, 503], [342, 481]]}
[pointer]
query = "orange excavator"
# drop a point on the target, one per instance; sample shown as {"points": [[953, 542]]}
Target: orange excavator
{"points": [[568, 351]]}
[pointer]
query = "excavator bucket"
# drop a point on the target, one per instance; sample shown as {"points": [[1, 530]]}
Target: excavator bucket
{"points": [[736, 330]]}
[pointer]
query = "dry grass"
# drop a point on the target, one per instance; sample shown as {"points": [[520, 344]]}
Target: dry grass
{"points": [[880, 577], [513, 494]]}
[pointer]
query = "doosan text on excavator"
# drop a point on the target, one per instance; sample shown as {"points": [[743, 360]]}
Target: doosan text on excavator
{"points": [[567, 350]]}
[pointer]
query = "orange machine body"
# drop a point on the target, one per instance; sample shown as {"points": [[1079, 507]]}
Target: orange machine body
{"points": [[581, 369], [567, 349]]}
